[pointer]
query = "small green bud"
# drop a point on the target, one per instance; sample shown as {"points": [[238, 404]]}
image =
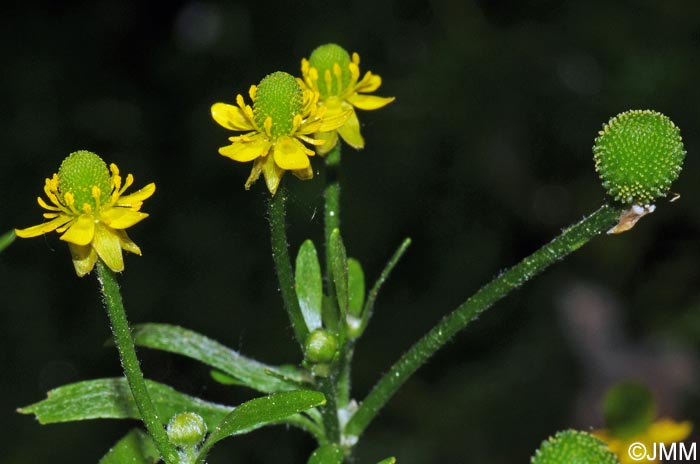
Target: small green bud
{"points": [[79, 172], [320, 346], [573, 447], [186, 430], [279, 97], [638, 154], [324, 58]]}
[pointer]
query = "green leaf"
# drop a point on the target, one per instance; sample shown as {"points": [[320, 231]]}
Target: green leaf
{"points": [[330, 314], [356, 287], [136, 447], [309, 285], [339, 271], [254, 374], [111, 399], [259, 412], [390, 460], [327, 454], [6, 239], [224, 379]]}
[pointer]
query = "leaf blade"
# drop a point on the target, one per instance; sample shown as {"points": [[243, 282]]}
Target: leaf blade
{"points": [[136, 447], [185, 342], [111, 398], [259, 412], [327, 454], [309, 284]]}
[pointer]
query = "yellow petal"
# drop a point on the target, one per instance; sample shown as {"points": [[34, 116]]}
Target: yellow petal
{"points": [[331, 122], [108, 247], [669, 431], [84, 258], [40, 229], [230, 117], [369, 102], [121, 218], [350, 132], [330, 139], [126, 243], [80, 232], [273, 174], [246, 151], [290, 154], [134, 200]]}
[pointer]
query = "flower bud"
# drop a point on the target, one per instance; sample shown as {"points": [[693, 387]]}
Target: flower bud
{"points": [[186, 430], [320, 346]]}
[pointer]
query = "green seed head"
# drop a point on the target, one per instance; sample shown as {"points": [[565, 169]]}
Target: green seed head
{"points": [[573, 447], [323, 59], [638, 154], [280, 97], [321, 346], [79, 172], [186, 429]]}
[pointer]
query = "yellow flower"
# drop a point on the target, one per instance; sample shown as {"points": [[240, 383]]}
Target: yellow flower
{"points": [[664, 431], [88, 207], [283, 116], [335, 77]]}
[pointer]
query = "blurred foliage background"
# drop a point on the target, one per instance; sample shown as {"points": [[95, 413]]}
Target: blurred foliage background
{"points": [[484, 156]]}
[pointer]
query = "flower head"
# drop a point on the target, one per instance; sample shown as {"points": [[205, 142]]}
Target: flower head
{"points": [[629, 412], [664, 431], [335, 77], [88, 207], [283, 117], [638, 154]]}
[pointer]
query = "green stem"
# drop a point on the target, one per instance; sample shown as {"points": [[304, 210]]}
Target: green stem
{"points": [[331, 221], [570, 240], [280, 254], [329, 411], [130, 363]]}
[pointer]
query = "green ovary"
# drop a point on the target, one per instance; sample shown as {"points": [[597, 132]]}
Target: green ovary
{"points": [[78, 173], [280, 98], [638, 154]]}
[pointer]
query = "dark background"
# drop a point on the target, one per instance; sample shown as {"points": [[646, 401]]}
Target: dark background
{"points": [[484, 156]]}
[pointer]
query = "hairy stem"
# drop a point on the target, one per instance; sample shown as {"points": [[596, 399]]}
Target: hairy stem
{"points": [[130, 363], [568, 241], [280, 254]]}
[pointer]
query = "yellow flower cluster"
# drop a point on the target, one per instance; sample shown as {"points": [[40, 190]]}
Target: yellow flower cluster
{"points": [[288, 112]]}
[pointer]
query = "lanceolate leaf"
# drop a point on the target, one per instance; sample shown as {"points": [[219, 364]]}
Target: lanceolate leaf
{"points": [[390, 460], [309, 284], [339, 269], [259, 412], [356, 287], [135, 448], [327, 454], [111, 399], [254, 374]]}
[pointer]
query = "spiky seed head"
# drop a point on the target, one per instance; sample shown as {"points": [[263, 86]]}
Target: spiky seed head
{"points": [[638, 154]]}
